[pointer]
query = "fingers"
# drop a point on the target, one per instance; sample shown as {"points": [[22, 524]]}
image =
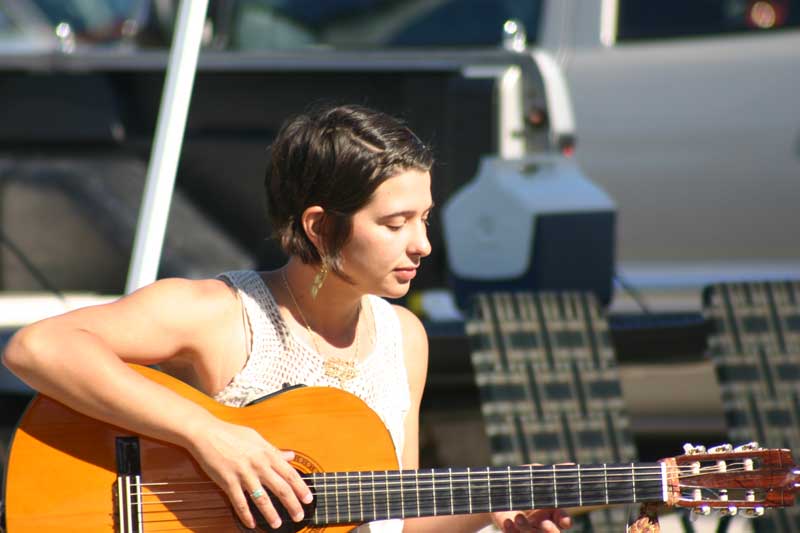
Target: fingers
{"points": [[258, 494], [544, 521], [562, 519], [286, 485]]}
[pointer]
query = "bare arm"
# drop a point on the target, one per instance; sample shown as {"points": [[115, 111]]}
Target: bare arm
{"points": [[415, 344], [79, 359]]}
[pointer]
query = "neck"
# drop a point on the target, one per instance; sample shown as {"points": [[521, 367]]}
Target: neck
{"points": [[333, 314], [350, 497]]}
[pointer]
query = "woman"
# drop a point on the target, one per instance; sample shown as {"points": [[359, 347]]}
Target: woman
{"points": [[349, 197]]}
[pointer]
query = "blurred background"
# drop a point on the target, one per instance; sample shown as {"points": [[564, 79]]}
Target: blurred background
{"points": [[676, 124]]}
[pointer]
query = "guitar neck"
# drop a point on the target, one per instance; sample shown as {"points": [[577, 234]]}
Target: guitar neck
{"points": [[350, 497]]}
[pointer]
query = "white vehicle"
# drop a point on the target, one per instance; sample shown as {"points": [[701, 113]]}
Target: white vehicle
{"points": [[688, 116]]}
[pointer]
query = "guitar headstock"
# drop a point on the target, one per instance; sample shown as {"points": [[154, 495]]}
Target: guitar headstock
{"points": [[743, 480]]}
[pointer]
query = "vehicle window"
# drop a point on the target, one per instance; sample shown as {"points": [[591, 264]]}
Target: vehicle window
{"points": [[92, 20], [644, 19], [348, 24]]}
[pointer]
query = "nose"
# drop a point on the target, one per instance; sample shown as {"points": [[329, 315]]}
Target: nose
{"points": [[419, 245]]}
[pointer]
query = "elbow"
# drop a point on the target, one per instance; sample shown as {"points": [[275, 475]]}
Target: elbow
{"points": [[23, 351]]}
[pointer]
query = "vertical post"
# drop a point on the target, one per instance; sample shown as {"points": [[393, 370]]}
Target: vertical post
{"points": [[170, 128]]}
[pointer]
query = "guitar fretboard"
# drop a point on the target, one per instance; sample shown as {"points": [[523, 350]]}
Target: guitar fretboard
{"points": [[349, 497]]}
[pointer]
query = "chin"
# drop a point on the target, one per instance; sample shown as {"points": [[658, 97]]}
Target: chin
{"points": [[396, 290]]}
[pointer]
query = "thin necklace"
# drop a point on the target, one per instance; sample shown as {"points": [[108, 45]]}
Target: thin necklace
{"points": [[334, 367]]}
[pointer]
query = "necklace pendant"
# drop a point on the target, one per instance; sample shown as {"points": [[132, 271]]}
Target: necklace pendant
{"points": [[341, 369]]}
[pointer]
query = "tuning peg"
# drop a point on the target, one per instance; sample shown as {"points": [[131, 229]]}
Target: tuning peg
{"points": [[722, 448], [704, 510], [730, 510], [748, 447], [753, 512], [691, 449]]}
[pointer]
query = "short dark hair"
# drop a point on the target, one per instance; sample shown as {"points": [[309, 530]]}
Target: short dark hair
{"points": [[334, 157]]}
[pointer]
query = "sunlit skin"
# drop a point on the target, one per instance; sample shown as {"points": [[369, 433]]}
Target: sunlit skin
{"points": [[387, 244], [194, 330]]}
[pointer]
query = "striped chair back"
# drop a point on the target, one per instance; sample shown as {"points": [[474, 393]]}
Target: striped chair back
{"points": [[756, 352], [549, 385]]}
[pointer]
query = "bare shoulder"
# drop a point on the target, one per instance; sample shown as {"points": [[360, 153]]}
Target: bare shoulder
{"points": [[158, 321], [411, 324], [415, 349], [183, 299]]}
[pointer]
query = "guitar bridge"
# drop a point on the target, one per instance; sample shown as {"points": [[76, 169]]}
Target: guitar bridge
{"points": [[127, 491]]}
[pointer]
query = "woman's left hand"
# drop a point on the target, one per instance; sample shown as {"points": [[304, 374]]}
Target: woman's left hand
{"points": [[540, 520]]}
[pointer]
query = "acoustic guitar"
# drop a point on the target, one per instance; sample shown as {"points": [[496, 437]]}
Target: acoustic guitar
{"points": [[71, 473]]}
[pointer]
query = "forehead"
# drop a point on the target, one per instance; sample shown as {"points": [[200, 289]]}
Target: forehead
{"points": [[407, 190]]}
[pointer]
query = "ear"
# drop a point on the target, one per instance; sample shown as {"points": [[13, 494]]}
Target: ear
{"points": [[312, 220]]}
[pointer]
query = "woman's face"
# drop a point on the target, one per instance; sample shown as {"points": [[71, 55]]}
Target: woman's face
{"points": [[390, 235]]}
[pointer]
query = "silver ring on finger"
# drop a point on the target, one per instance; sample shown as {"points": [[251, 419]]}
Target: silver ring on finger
{"points": [[258, 493]]}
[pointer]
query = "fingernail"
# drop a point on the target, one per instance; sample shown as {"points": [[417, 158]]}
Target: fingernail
{"points": [[276, 524], [298, 516], [308, 498]]}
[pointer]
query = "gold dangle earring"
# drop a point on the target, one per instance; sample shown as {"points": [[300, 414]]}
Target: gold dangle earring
{"points": [[319, 279]]}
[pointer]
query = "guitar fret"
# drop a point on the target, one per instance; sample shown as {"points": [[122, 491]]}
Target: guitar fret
{"points": [[489, 487], [533, 499], [555, 487], [510, 497], [469, 489], [580, 488], [336, 492], [374, 502], [416, 474], [433, 490], [347, 491], [402, 497], [605, 481], [360, 497], [633, 482], [450, 475], [388, 507]]}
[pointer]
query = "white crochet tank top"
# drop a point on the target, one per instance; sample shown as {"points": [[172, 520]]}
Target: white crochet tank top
{"points": [[278, 357]]}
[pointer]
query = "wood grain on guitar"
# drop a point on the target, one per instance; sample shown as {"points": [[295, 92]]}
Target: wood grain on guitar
{"points": [[70, 473]]}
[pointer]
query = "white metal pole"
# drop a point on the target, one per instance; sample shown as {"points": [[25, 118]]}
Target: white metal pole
{"points": [[170, 128]]}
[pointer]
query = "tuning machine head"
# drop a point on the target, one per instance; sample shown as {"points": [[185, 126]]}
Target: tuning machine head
{"points": [[753, 512], [722, 448], [704, 510], [691, 449], [730, 510], [748, 447]]}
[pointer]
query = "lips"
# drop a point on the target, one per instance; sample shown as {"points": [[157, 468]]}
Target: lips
{"points": [[406, 274]]}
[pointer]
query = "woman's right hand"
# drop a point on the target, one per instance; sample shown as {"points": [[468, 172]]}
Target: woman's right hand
{"points": [[240, 461]]}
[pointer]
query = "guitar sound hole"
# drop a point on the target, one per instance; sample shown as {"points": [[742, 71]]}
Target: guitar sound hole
{"points": [[287, 524]]}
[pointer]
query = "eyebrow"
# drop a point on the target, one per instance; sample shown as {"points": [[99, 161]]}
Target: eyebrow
{"points": [[407, 213]]}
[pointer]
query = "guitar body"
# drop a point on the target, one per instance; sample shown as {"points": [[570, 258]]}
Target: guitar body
{"points": [[63, 467]]}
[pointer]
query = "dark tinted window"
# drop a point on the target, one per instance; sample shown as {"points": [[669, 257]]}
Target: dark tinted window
{"points": [[645, 19], [92, 19], [378, 23]]}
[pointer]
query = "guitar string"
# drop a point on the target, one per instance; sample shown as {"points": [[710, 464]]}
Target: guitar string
{"points": [[366, 511], [371, 509], [521, 473], [379, 487]]}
